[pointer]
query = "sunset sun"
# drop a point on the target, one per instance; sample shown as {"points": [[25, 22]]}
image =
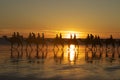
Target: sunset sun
{"points": [[70, 34]]}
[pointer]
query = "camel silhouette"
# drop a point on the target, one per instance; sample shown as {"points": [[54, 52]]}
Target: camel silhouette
{"points": [[74, 41], [58, 41], [14, 41], [109, 42]]}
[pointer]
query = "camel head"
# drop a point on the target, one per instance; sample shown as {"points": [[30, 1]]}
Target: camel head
{"points": [[5, 37]]}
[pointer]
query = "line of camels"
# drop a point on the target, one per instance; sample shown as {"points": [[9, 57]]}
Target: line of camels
{"points": [[40, 41]]}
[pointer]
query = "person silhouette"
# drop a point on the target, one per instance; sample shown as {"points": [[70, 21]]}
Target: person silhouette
{"points": [[33, 35], [38, 36], [111, 37], [30, 35], [91, 36], [56, 36], [14, 34], [70, 36], [42, 35], [74, 36], [88, 36], [18, 35], [60, 36]]}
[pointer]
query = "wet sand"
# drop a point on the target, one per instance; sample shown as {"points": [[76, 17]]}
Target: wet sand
{"points": [[59, 64]]}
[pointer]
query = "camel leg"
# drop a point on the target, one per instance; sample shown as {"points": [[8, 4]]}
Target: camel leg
{"points": [[31, 46], [21, 47], [11, 51], [11, 47], [62, 45], [106, 46], [118, 52], [117, 47], [37, 46], [42, 45], [17, 46], [37, 53], [46, 45], [21, 53], [68, 45], [53, 46], [26, 46], [106, 53], [56, 46]]}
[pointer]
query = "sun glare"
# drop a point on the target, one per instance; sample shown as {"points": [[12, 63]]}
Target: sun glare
{"points": [[72, 33]]}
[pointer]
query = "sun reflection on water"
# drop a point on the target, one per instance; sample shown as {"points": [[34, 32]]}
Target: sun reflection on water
{"points": [[72, 52]]}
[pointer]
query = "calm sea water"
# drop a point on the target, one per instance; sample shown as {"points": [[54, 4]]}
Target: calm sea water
{"points": [[59, 64]]}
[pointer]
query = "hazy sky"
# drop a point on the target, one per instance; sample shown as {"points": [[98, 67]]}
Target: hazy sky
{"points": [[75, 15]]}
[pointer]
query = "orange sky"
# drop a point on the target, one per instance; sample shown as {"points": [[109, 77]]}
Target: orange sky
{"points": [[52, 16]]}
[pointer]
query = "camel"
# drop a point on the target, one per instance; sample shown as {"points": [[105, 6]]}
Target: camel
{"points": [[14, 41], [93, 41], [30, 40], [109, 42], [75, 42], [43, 41], [58, 41]]}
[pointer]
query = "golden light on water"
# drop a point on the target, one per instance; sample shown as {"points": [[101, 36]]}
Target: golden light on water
{"points": [[72, 52]]}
